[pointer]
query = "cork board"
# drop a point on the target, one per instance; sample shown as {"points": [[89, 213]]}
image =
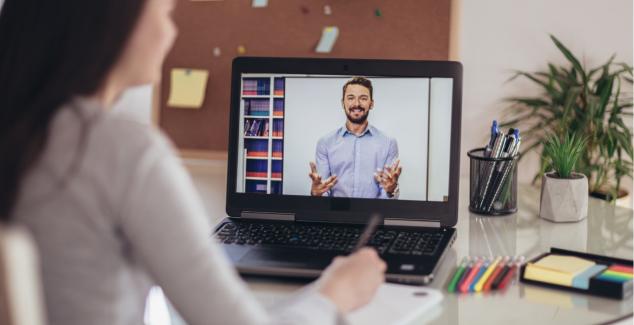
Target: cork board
{"points": [[405, 29]]}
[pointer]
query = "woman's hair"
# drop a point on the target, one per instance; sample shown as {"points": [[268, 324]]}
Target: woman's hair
{"points": [[50, 52]]}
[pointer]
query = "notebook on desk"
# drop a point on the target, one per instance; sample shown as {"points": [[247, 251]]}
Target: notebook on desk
{"points": [[314, 150]]}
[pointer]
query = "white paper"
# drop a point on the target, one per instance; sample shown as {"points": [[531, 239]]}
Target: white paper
{"points": [[395, 304]]}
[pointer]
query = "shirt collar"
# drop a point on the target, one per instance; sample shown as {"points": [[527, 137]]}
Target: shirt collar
{"points": [[370, 130]]}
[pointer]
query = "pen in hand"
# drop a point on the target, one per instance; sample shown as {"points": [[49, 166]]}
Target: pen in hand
{"points": [[373, 223]]}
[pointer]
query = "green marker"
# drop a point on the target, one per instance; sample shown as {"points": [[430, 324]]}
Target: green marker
{"points": [[377, 12], [458, 275]]}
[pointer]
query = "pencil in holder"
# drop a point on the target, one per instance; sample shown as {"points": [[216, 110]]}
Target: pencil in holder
{"points": [[493, 183]]}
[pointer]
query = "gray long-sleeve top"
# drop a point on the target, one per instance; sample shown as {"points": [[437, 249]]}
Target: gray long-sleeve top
{"points": [[113, 212]]}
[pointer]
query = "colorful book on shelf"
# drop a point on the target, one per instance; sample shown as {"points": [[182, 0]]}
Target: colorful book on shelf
{"points": [[276, 187], [257, 174], [255, 186], [264, 132], [249, 87], [257, 148], [278, 87], [247, 126], [256, 107], [278, 128], [257, 168], [276, 169], [278, 148], [256, 128], [253, 127], [278, 107], [255, 86]]}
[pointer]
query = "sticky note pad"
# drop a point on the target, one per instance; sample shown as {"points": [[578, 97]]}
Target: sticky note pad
{"points": [[187, 88], [259, 3], [582, 281], [620, 268], [616, 275], [328, 38], [557, 269], [605, 276]]}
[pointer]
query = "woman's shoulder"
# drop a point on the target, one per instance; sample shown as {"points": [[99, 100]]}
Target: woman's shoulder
{"points": [[107, 136]]}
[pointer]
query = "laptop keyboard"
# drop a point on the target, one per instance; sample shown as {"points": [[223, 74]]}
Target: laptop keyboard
{"points": [[328, 237]]}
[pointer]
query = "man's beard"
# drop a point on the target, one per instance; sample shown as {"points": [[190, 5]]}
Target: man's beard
{"points": [[358, 120]]}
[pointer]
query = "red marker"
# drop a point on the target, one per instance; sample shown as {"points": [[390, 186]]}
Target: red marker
{"points": [[509, 276], [464, 286], [464, 275], [496, 272]]}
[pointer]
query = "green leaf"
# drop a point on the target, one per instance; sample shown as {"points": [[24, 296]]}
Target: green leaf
{"points": [[532, 102], [575, 63]]}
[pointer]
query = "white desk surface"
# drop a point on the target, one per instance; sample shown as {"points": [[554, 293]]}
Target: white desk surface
{"points": [[606, 231]]}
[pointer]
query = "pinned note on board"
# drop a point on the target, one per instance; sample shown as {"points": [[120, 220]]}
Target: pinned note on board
{"points": [[328, 38], [216, 51], [259, 3], [187, 88], [327, 10]]}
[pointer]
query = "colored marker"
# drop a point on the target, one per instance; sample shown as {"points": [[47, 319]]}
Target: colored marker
{"points": [[464, 275], [509, 276], [487, 274], [464, 286], [496, 272], [479, 275], [494, 133], [456, 277], [496, 283]]}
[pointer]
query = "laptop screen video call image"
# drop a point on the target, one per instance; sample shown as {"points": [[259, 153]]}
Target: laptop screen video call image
{"points": [[302, 135]]}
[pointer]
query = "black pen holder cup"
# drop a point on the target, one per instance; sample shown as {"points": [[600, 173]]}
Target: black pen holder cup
{"points": [[492, 184]]}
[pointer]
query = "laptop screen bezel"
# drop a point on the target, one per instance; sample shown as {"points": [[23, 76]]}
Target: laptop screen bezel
{"points": [[331, 209]]}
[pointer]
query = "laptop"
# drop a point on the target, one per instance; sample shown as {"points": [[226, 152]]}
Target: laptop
{"points": [[318, 146]]}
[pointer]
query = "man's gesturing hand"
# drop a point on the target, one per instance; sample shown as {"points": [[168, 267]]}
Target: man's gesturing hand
{"points": [[388, 177], [318, 188]]}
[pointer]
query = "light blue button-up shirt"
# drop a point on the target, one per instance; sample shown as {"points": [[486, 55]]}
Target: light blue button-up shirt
{"points": [[354, 160]]}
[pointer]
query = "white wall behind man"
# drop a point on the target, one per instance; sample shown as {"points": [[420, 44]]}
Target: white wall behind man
{"points": [[497, 37]]}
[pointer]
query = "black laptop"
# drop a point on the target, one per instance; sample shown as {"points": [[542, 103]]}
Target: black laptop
{"points": [[318, 146]]}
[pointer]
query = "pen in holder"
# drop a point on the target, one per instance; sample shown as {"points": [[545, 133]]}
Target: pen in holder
{"points": [[493, 183]]}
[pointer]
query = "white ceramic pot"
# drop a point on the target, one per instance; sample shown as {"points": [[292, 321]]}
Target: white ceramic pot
{"points": [[564, 199]]}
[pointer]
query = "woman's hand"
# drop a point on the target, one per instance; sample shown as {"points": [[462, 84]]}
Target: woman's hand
{"points": [[350, 282]]}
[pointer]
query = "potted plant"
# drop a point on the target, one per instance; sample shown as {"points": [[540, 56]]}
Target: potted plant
{"points": [[564, 196], [588, 103]]}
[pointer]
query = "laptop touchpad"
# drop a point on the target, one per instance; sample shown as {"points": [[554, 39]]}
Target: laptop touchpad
{"points": [[282, 257]]}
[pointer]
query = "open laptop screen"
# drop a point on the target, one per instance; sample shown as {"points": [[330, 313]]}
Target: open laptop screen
{"points": [[367, 137]]}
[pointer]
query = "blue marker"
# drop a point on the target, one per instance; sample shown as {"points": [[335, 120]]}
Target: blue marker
{"points": [[494, 133], [481, 271]]}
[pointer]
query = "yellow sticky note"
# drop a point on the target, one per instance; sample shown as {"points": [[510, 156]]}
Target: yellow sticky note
{"points": [[557, 269], [187, 88], [564, 263]]}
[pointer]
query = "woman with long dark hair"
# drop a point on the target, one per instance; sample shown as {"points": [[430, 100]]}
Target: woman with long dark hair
{"points": [[110, 206]]}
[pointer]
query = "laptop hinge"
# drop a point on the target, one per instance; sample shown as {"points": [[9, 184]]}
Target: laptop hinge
{"points": [[411, 223], [267, 215]]}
